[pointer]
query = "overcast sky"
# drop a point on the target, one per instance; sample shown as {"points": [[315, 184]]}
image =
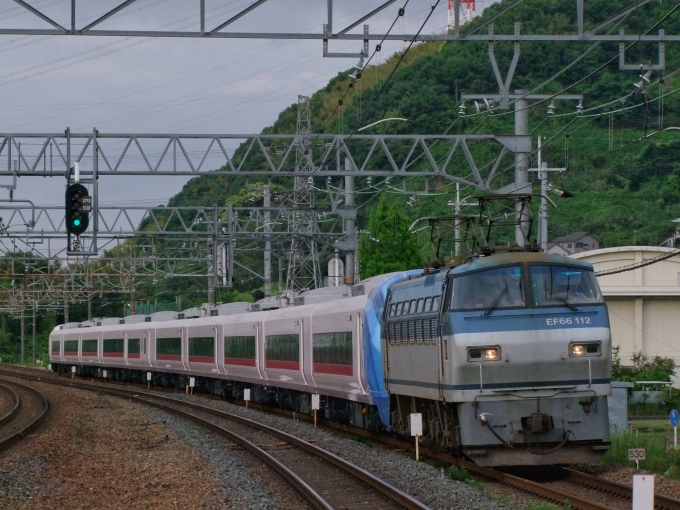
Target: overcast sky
{"points": [[170, 85]]}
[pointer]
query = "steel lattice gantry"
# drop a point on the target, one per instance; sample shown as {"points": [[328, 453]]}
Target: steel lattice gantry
{"points": [[214, 27], [451, 157]]}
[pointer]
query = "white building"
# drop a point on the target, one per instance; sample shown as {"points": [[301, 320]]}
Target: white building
{"points": [[644, 304]]}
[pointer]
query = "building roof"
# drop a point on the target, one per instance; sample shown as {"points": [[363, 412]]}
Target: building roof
{"points": [[571, 238]]}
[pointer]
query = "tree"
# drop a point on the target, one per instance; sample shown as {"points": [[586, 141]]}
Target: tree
{"points": [[389, 246]]}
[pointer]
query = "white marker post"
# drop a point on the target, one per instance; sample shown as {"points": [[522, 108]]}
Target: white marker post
{"points": [[192, 383], [148, 380], [417, 431], [246, 396], [643, 492], [104, 373], [315, 405], [73, 372]]}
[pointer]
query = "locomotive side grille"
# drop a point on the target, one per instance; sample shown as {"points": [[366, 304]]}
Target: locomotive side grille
{"points": [[419, 332], [404, 332], [433, 330], [391, 337], [426, 331], [411, 332], [397, 333]]}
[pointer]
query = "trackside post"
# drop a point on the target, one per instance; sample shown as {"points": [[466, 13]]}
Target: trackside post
{"points": [[315, 405], [417, 430]]}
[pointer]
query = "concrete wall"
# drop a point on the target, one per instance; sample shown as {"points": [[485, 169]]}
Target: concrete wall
{"points": [[644, 304]]}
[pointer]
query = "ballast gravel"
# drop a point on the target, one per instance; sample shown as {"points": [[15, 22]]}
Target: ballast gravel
{"points": [[246, 483], [419, 479]]}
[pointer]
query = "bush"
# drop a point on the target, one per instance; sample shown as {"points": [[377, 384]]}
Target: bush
{"points": [[459, 473]]}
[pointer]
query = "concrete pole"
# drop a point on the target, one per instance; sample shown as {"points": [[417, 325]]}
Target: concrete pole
{"points": [[35, 305], [23, 339], [543, 215], [89, 307], [350, 232], [66, 319], [212, 274], [457, 233], [268, 243], [521, 162]]}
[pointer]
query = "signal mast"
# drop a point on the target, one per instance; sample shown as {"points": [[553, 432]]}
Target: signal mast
{"points": [[467, 9]]}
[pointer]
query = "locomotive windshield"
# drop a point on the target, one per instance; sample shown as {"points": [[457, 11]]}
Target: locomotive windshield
{"points": [[555, 285], [490, 289]]}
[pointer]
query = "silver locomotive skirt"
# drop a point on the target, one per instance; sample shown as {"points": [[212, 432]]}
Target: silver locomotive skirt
{"points": [[563, 430]]}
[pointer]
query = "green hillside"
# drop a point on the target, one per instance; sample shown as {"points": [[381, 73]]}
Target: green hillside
{"points": [[625, 177], [623, 189]]}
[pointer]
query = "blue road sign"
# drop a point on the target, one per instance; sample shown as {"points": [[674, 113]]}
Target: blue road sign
{"points": [[675, 418]]}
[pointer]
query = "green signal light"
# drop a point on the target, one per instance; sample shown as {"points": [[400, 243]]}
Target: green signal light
{"points": [[76, 223]]}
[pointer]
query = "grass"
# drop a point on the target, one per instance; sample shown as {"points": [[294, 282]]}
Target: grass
{"points": [[364, 441], [550, 506], [651, 436]]}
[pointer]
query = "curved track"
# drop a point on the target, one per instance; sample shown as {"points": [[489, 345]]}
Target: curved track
{"points": [[581, 490], [29, 409], [324, 480]]}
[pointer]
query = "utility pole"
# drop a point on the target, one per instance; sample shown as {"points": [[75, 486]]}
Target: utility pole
{"points": [[543, 172], [457, 220], [267, 203], [23, 339], [35, 306], [522, 214], [212, 270], [66, 301], [350, 232]]}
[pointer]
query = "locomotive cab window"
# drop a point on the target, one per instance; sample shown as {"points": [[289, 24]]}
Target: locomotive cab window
{"points": [[487, 290], [563, 285]]}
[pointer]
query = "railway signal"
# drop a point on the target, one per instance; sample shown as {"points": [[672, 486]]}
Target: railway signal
{"points": [[78, 208]]}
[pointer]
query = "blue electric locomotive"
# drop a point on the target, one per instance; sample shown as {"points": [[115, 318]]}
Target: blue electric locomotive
{"points": [[519, 369]]}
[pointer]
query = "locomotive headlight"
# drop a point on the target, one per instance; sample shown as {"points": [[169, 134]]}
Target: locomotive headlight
{"points": [[584, 349], [483, 353], [491, 354], [577, 350]]}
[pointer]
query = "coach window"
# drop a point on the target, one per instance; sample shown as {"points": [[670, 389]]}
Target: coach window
{"points": [[71, 347], [428, 304], [113, 347], [133, 347], [239, 347], [89, 347], [202, 349], [485, 290], [169, 347], [283, 347], [333, 348]]}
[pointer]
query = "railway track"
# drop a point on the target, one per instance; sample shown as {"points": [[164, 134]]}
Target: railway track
{"points": [[27, 409], [582, 491], [323, 479]]}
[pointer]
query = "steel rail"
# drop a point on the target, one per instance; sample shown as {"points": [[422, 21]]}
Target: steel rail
{"points": [[398, 496], [620, 489], [15, 408], [8, 441], [528, 486]]}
